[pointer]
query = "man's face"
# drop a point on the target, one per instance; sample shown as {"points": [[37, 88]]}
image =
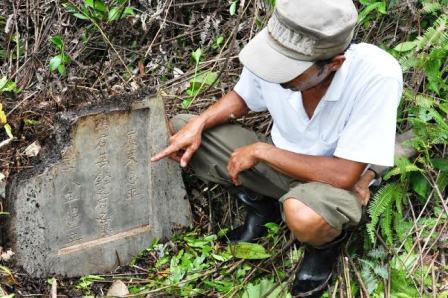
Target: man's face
{"points": [[308, 79], [314, 75]]}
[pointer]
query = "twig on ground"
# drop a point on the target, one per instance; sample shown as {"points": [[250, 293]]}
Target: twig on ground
{"points": [[364, 291], [348, 288], [54, 289], [166, 8]]}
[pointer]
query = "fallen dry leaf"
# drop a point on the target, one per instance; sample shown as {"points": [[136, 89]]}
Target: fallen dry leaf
{"points": [[33, 149], [6, 255], [118, 289]]}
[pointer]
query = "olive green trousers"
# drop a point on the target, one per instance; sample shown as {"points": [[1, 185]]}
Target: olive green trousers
{"points": [[338, 207]]}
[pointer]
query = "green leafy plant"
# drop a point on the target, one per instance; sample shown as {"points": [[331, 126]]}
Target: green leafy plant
{"points": [[4, 122], [200, 80], [97, 11], [7, 275], [16, 48], [30, 122], [270, 2], [426, 111], [378, 267], [7, 86], [192, 264], [432, 7], [217, 43], [61, 60], [407, 208], [370, 7], [100, 11], [266, 287], [249, 251], [381, 207], [233, 7], [428, 52], [373, 269], [86, 282]]}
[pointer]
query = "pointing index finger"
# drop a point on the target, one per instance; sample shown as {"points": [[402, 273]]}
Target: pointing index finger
{"points": [[165, 152]]}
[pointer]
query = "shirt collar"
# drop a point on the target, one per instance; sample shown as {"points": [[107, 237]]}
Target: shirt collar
{"points": [[337, 85]]}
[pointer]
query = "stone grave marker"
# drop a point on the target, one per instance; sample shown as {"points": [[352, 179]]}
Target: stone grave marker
{"points": [[102, 201]]}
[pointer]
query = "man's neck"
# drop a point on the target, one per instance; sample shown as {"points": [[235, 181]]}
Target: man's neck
{"points": [[311, 97], [317, 92]]}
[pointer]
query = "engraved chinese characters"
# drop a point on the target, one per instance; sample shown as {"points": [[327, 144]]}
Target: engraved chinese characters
{"points": [[131, 164], [103, 201], [103, 176]]}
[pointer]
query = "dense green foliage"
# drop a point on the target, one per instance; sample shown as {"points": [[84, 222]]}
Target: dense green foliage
{"points": [[410, 210]]}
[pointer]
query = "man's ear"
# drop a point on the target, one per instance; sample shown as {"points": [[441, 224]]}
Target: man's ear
{"points": [[337, 62]]}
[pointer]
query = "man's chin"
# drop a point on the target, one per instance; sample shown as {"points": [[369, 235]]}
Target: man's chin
{"points": [[292, 88]]}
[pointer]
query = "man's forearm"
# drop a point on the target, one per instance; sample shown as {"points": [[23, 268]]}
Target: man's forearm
{"points": [[230, 106], [338, 172], [186, 141]]}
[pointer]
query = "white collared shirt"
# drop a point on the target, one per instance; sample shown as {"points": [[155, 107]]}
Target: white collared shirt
{"points": [[356, 118]]}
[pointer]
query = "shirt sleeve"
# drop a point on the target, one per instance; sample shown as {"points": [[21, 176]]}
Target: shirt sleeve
{"points": [[249, 88], [369, 135]]}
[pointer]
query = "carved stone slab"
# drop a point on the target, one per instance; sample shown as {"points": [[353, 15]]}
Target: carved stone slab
{"points": [[102, 201]]}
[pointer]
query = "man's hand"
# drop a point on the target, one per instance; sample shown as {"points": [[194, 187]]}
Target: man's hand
{"points": [[244, 158], [187, 140], [184, 143], [361, 188]]}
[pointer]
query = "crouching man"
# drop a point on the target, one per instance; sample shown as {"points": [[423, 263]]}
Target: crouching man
{"points": [[333, 105]]}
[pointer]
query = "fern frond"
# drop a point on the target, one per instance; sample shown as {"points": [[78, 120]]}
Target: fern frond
{"points": [[367, 264], [430, 7], [439, 119], [408, 61], [403, 286], [386, 225], [428, 221], [369, 278], [442, 181], [382, 200], [378, 253], [437, 135], [444, 107], [402, 229], [433, 36], [381, 271], [424, 101], [399, 206], [403, 166]]}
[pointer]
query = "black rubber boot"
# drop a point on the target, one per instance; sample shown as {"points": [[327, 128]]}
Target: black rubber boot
{"points": [[317, 266], [260, 210]]}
